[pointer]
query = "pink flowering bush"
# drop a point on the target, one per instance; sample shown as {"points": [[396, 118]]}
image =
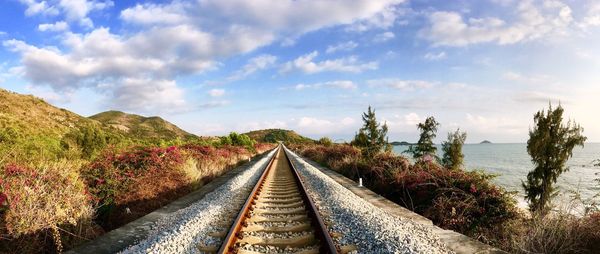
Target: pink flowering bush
{"points": [[36, 200], [127, 185]]}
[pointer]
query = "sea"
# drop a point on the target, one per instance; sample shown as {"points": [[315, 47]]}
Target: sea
{"points": [[511, 163]]}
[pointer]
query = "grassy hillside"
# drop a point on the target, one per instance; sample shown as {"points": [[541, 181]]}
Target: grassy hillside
{"points": [[32, 130], [141, 127], [275, 135], [30, 115]]}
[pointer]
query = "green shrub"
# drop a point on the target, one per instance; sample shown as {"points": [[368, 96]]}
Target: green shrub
{"points": [[235, 139], [325, 141]]}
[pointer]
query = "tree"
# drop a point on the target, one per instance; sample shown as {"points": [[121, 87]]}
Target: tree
{"points": [[237, 140], [550, 145], [325, 141], [425, 144], [371, 138], [453, 155], [88, 139]]}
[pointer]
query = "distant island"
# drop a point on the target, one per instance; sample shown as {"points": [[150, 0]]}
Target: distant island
{"points": [[398, 143], [485, 142]]}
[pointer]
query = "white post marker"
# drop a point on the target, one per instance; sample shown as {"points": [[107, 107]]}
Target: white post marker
{"points": [[360, 182]]}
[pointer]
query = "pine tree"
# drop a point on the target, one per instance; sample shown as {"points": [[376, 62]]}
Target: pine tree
{"points": [[371, 138], [452, 148], [425, 144], [550, 145]]}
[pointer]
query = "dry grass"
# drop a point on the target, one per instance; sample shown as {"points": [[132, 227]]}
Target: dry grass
{"points": [[562, 231]]}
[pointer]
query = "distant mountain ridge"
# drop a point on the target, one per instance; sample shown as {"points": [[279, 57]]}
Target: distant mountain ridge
{"points": [[276, 135], [141, 126], [401, 143]]}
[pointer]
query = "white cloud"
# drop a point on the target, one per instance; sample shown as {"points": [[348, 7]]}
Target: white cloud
{"points": [[451, 29], [405, 85], [205, 129], [78, 10], [494, 125], [317, 126], [383, 37], [138, 68], [73, 10], [35, 7], [306, 64], [344, 46], [152, 14], [254, 64], [147, 95], [528, 79], [287, 17], [340, 84], [403, 123], [435, 56], [216, 92], [49, 95], [178, 39], [383, 20], [592, 17], [257, 125], [56, 27]]}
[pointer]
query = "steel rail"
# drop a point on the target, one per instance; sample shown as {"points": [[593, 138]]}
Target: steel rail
{"points": [[326, 242]]}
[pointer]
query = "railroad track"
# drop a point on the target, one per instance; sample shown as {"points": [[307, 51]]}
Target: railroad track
{"points": [[279, 216]]}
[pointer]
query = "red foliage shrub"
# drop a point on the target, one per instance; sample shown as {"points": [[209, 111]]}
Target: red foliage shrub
{"points": [[263, 147], [146, 178], [453, 199], [111, 177]]}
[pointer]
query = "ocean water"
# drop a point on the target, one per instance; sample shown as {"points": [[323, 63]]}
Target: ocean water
{"points": [[512, 163]]}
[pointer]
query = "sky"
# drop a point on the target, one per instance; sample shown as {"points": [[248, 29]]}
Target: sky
{"points": [[215, 66]]}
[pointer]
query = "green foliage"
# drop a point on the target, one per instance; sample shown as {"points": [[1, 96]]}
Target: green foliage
{"points": [[550, 145], [235, 139], [88, 139], [425, 146], [453, 155], [278, 135], [19, 145], [325, 141], [371, 138], [9, 135]]}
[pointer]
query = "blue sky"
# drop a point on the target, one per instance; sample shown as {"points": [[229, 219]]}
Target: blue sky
{"points": [[214, 66]]}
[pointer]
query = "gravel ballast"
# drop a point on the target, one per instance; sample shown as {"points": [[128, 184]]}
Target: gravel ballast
{"points": [[186, 229], [362, 224]]}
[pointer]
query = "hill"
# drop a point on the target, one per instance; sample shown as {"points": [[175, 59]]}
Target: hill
{"points": [[402, 143], [275, 135], [32, 116], [485, 142], [141, 127], [32, 129]]}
